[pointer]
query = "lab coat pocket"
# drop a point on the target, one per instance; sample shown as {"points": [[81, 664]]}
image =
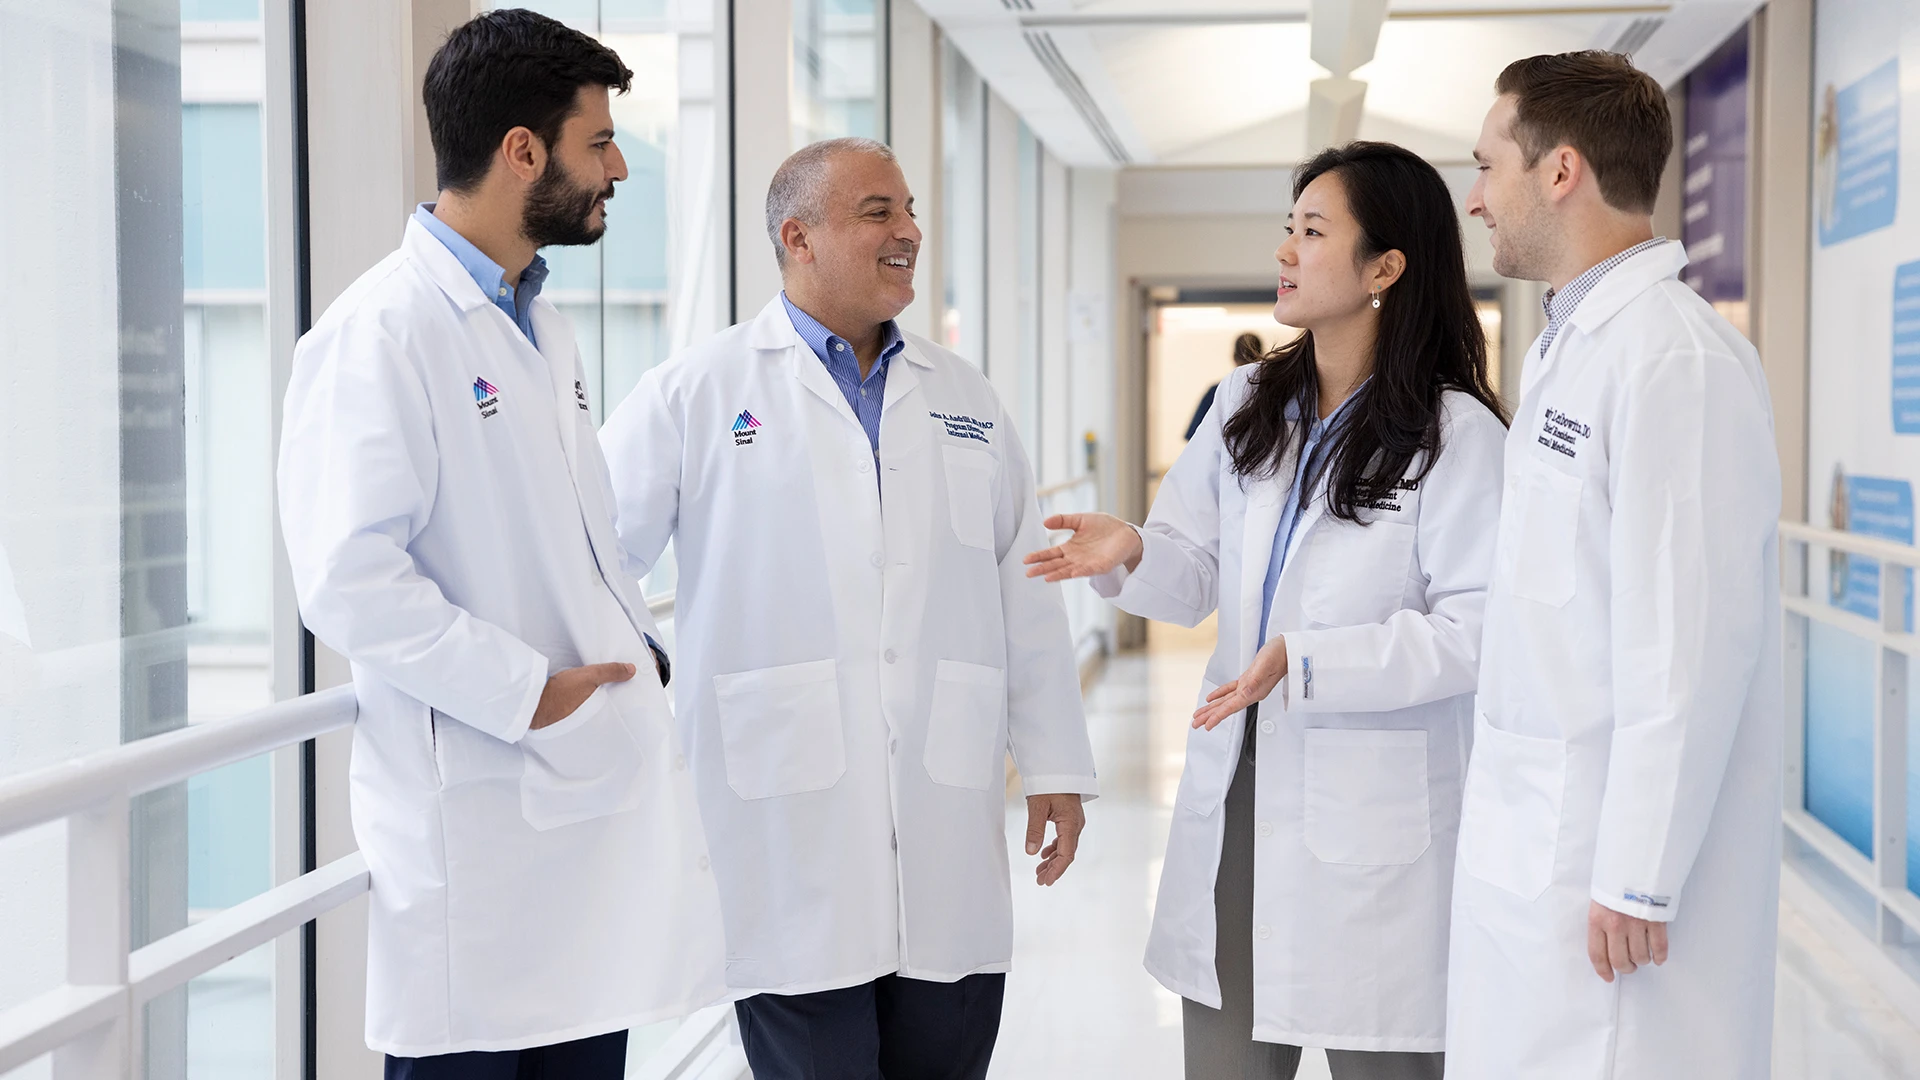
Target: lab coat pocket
{"points": [[1510, 815], [1366, 796], [780, 729], [1540, 555], [1211, 758], [970, 494], [584, 767], [963, 731], [1356, 574]]}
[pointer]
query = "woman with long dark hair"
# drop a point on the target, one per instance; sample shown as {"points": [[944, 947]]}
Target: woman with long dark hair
{"points": [[1339, 509]]}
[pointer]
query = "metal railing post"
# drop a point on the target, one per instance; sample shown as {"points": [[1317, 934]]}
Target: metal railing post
{"points": [[97, 936], [1890, 754]]}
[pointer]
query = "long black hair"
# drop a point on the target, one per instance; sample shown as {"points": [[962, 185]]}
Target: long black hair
{"points": [[1429, 340]]}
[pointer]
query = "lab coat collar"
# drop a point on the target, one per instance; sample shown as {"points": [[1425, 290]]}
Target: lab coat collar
{"points": [[1625, 282], [773, 329], [443, 268]]}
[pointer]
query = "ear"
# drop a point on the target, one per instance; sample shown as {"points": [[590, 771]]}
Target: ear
{"points": [[1562, 169], [793, 236], [1387, 269], [525, 155]]}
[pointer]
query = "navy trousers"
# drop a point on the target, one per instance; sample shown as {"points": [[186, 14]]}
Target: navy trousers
{"points": [[893, 1028], [602, 1057]]}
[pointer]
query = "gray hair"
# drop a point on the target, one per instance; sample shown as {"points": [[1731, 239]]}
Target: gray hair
{"points": [[799, 188]]}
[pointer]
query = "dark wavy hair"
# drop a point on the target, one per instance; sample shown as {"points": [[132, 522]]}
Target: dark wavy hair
{"points": [[1429, 340]]}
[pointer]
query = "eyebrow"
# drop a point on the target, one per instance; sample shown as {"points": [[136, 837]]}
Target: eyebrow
{"points": [[603, 133], [884, 200]]}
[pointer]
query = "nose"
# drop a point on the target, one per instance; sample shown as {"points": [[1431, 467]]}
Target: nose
{"points": [[1476, 202], [911, 232], [616, 162], [1284, 253]]}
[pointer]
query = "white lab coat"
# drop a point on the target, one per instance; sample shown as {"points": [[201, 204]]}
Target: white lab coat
{"points": [[1629, 737], [1362, 747], [457, 546], [851, 680]]}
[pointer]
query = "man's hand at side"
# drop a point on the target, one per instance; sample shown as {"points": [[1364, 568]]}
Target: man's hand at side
{"points": [[1068, 820], [567, 690], [1623, 943]]}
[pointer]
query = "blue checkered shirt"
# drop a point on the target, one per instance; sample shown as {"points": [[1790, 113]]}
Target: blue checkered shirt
{"points": [[864, 396], [1561, 303]]}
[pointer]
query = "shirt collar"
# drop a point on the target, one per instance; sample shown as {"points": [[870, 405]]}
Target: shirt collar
{"points": [[486, 273], [1561, 303], [822, 340]]}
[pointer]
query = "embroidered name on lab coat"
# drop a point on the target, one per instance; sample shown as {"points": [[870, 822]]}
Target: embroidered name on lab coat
{"points": [[1391, 500], [580, 396], [964, 427], [1560, 432]]}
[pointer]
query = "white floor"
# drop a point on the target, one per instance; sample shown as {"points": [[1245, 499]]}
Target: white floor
{"points": [[1080, 1005]]}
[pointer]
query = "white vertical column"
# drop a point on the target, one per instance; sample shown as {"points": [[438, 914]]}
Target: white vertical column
{"points": [[913, 96], [1890, 756], [762, 137], [1002, 354], [97, 929], [1053, 459]]}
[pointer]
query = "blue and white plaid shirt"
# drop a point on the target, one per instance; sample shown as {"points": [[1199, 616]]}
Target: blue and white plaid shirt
{"points": [[1561, 303]]}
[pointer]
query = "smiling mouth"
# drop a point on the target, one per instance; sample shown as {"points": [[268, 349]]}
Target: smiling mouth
{"points": [[902, 262], [1286, 286]]}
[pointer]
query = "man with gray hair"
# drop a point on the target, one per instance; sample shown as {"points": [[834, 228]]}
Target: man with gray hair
{"points": [[860, 647]]}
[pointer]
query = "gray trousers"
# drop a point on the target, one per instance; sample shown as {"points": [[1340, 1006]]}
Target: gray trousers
{"points": [[1219, 1043]]}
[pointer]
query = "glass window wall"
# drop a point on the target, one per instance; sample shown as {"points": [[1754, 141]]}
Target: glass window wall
{"points": [[136, 471], [839, 66]]}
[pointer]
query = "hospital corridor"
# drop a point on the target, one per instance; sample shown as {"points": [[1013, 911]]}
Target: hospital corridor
{"points": [[959, 540]]}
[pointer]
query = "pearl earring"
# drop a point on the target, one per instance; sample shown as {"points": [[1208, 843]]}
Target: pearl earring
{"points": [[1376, 301]]}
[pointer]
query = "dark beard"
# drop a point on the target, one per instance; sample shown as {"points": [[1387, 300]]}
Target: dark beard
{"points": [[558, 210]]}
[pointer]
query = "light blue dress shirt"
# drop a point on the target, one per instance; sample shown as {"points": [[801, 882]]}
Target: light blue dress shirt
{"points": [[865, 397], [516, 301], [1307, 472]]}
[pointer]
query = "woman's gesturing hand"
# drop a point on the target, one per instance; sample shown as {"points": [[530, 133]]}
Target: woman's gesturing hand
{"points": [[1099, 543], [1252, 687]]}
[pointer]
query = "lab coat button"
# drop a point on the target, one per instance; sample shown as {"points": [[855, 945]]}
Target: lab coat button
{"points": [[890, 656], [680, 763], [878, 560], [893, 746], [1266, 727], [896, 843], [865, 465], [1263, 933], [1266, 828]]}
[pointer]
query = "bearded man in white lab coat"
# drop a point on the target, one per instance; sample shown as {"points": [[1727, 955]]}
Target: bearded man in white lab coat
{"points": [[1616, 898], [859, 645], [540, 880]]}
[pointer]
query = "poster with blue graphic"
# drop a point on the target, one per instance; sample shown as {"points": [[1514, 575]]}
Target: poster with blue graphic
{"points": [[1857, 156], [1878, 507], [1906, 349]]}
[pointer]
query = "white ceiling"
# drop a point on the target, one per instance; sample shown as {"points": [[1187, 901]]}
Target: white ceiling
{"points": [[1225, 83]]}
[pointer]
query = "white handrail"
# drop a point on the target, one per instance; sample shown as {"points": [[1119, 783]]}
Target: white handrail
{"points": [[91, 1023], [136, 768], [1852, 543]]}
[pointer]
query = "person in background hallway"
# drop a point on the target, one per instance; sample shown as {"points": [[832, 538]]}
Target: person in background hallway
{"points": [[859, 647], [1616, 908], [1246, 350], [1338, 511], [540, 878]]}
